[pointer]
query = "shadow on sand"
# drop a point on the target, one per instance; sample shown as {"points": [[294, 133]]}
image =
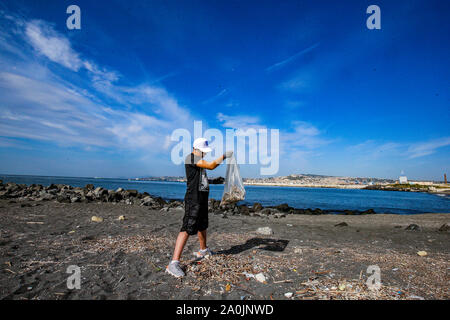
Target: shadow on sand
{"points": [[260, 243]]}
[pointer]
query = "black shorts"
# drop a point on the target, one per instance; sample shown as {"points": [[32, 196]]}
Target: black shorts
{"points": [[195, 216]]}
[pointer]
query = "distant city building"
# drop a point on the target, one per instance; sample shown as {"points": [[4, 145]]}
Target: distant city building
{"points": [[403, 180]]}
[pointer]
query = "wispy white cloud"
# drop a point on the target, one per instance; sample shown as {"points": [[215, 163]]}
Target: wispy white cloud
{"points": [[373, 149], [217, 96], [428, 147], [304, 135], [284, 62], [55, 47], [238, 121]]}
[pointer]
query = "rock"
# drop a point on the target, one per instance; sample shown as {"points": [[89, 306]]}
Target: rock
{"points": [[422, 253], [52, 187], [152, 203], [244, 210], [260, 277], [342, 224], [218, 180], [369, 211], [298, 251], [89, 186], [63, 199], [100, 193], [284, 207], [317, 212], [175, 204], [288, 295], [119, 190], [413, 227], [444, 227], [121, 218], [279, 215], [131, 193], [265, 231], [257, 207], [266, 211], [96, 219], [75, 199]]}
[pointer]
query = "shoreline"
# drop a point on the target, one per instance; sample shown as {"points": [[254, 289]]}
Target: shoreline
{"points": [[64, 193]]}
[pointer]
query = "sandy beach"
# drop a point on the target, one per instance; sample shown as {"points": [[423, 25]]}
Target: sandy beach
{"points": [[312, 257]]}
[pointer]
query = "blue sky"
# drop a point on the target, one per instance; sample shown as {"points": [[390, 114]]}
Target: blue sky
{"points": [[103, 100]]}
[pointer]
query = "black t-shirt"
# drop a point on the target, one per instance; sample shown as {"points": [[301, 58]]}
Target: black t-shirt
{"points": [[197, 180]]}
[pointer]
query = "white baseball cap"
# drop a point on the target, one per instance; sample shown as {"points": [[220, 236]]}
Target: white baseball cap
{"points": [[202, 145]]}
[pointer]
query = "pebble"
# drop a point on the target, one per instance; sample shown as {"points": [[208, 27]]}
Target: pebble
{"points": [[288, 295], [96, 219], [265, 231]]}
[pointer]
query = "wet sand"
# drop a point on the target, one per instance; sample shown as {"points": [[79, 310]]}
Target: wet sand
{"points": [[306, 255]]}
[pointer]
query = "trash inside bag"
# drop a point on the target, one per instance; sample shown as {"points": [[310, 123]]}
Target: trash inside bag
{"points": [[234, 187]]}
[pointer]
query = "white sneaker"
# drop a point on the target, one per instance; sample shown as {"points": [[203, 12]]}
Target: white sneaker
{"points": [[203, 253], [175, 270]]}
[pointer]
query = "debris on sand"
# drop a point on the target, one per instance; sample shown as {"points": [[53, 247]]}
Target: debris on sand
{"points": [[96, 219], [413, 227], [260, 278], [422, 253], [130, 244], [342, 224], [265, 231], [222, 268]]}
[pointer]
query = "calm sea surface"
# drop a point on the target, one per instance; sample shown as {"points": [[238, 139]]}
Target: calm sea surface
{"points": [[323, 198]]}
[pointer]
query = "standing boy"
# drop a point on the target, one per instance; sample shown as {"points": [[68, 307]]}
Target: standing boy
{"points": [[195, 220]]}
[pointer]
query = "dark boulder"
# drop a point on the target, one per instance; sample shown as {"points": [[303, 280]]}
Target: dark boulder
{"points": [[444, 227], [131, 193], [317, 212], [257, 207], [284, 207], [244, 210], [219, 180], [63, 198], [342, 224], [413, 227]]}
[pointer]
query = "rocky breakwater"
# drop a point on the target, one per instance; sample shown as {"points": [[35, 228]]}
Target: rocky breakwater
{"points": [[67, 194]]}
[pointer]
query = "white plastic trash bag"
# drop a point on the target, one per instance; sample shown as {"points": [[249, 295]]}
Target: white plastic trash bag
{"points": [[234, 187]]}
